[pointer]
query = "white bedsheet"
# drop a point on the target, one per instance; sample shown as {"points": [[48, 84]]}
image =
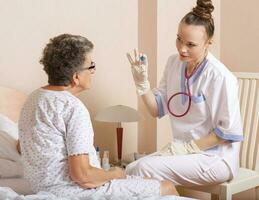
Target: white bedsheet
{"points": [[8, 194], [19, 185]]}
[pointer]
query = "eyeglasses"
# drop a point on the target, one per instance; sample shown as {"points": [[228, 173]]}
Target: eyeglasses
{"points": [[91, 68]]}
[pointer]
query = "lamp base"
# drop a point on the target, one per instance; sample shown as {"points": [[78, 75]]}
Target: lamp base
{"points": [[119, 142]]}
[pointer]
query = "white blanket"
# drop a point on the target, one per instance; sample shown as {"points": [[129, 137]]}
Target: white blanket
{"points": [[9, 194]]}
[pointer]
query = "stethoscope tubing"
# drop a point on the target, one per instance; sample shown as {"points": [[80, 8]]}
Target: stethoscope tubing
{"points": [[188, 93], [181, 93]]}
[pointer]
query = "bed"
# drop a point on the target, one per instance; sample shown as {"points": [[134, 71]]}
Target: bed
{"points": [[11, 102]]}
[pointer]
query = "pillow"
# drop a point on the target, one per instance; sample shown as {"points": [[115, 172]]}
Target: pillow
{"points": [[9, 126], [10, 169], [8, 139], [8, 147]]}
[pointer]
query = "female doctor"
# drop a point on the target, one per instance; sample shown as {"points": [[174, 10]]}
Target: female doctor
{"points": [[201, 97]]}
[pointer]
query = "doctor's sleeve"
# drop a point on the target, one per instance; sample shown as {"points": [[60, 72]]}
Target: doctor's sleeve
{"points": [[223, 103], [161, 91], [160, 96]]}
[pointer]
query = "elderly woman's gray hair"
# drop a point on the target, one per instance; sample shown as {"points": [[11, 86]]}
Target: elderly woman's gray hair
{"points": [[63, 56]]}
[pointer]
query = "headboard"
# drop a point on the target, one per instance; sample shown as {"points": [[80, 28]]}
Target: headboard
{"points": [[11, 102]]}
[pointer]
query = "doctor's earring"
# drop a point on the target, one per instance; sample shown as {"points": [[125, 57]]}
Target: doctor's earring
{"points": [[210, 41]]}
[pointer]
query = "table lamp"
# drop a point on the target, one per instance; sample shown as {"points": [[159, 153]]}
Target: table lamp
{"points": [[119, 114]]}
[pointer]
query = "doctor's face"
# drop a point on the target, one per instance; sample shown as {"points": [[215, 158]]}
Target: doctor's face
{"points": [[192, 42]]}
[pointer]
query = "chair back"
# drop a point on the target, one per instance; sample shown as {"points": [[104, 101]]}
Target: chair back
{"points": [[249, 106]]}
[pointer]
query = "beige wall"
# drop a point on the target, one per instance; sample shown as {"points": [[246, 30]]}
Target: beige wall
{"points": [[112, 25], [240, 35]]}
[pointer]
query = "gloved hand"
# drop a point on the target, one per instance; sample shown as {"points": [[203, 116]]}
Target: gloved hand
{"points": [[139, 69], [180, 148]]}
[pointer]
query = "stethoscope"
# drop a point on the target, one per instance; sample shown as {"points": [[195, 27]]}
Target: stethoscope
{"points": [[187, 94]]}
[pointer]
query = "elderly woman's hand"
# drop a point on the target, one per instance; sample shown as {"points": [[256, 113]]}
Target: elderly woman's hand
{"points": [[119, 173]]}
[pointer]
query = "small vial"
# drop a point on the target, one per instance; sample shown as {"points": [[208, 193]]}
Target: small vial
{"points": [[105, 160], [98, 154], [143, 59]]}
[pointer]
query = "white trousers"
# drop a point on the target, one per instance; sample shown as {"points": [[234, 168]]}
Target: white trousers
{"points": [[187, 170]]}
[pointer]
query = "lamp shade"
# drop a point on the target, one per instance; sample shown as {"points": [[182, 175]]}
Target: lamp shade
{"points": [[118, 113]]}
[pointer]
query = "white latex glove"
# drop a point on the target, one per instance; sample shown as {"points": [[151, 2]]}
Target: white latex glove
{"points": [[180, 148], [139, 69]]}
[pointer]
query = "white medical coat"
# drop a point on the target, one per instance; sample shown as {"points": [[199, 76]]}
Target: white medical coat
{"points": [[215, 105]]}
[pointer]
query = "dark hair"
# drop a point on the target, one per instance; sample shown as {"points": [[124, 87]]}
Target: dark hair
{"points": [[63, 56], [201, 15]]}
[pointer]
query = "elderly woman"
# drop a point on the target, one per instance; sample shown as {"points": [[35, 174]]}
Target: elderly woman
{"points": [[56, 134]]}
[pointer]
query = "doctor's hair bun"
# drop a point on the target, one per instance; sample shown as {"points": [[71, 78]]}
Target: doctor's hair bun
{"points": [[203, 9], [201, 16]]}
